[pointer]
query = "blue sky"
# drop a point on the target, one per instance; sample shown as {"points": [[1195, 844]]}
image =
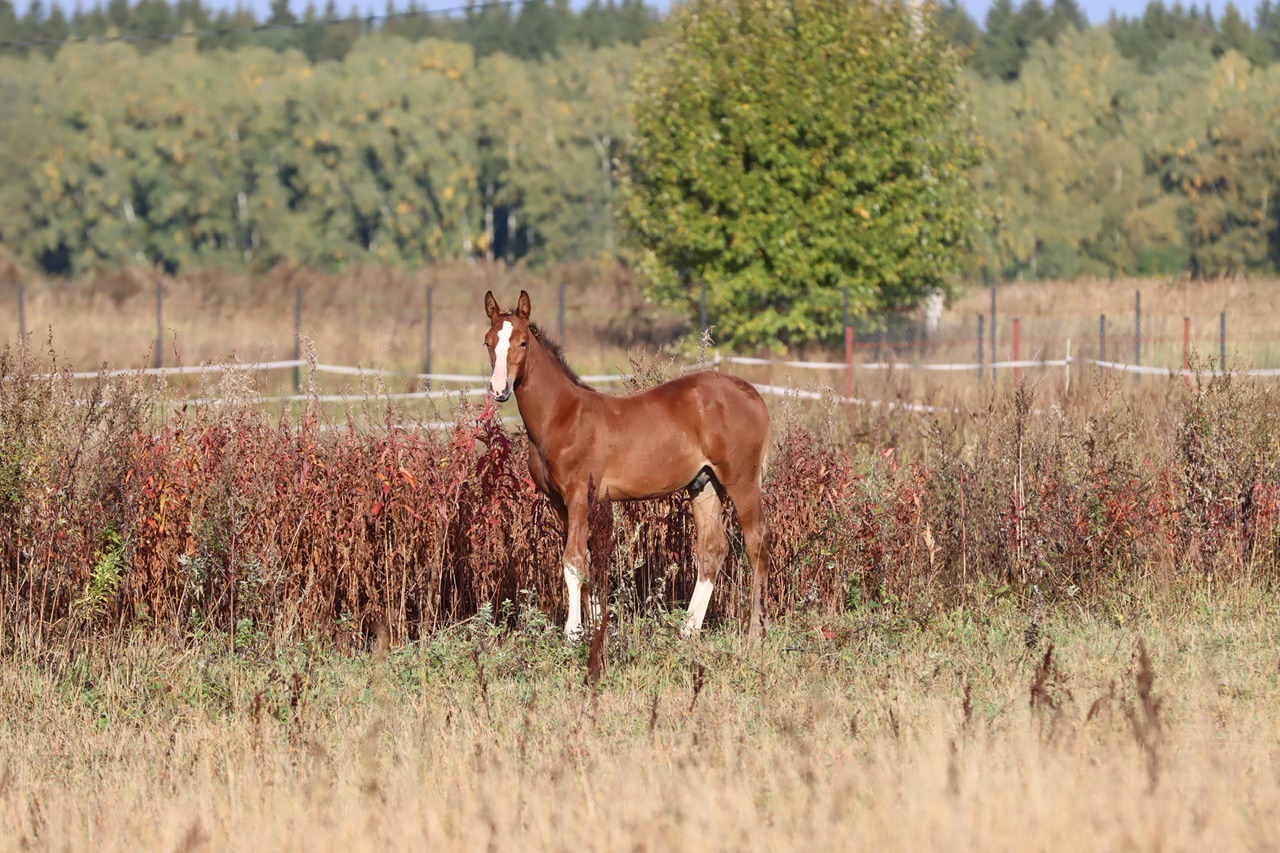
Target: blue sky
{"points": [[1097, 10]]}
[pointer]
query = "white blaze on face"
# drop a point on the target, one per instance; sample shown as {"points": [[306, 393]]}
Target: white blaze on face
{"points": [[498, 382]]}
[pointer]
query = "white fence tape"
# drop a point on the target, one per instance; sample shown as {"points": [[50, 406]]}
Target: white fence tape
{"points": [[731, 359], [779, 391], [1003, 365], [341, 369], [775, 390], [343, 398], [174, 371]]}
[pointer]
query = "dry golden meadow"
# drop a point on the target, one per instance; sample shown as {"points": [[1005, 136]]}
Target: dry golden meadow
{"points": [[1044, 621], [864, 733], [376, 318]]}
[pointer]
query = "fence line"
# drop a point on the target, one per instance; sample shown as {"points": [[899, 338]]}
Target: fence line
{"points": [[174, 371], [919, 330], [1006, 365], [763, 388], [342, 398], [348, 370]]}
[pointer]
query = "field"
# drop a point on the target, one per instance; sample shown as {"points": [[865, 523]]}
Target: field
{"points": [[377, 318], [874, 731], [1041, 616]]}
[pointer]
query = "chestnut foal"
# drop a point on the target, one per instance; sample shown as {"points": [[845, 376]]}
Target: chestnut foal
{"points": [[707, 432]]}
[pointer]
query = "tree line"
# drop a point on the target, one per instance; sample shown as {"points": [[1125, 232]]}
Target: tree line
{"points": [[530, 29], [524, 29], [402, 153], [1139, 146]]}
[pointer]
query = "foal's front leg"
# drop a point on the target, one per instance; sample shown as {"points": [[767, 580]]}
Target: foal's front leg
{"points": [[576, 567]]}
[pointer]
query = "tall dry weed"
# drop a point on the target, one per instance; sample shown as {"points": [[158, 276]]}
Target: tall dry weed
{"points": [[121, 510]]}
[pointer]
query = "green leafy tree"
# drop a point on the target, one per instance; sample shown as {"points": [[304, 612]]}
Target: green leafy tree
{"points": [[1234, 33], [488, 28], [1268, 29], [538, 29], [1066, 166], [1219, 157], [24, 133], [999, 55], [784, 152], [1146, 39], [548, 144], [606, 24], [8, 21], [1011, 34], [959, 27], [1065, 15]]}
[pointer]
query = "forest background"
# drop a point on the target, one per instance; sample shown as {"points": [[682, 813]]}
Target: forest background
{"points": [[1145, 146]]}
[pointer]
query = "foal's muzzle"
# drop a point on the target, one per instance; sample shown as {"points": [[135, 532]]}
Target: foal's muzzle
{"points": [[504, 396]]}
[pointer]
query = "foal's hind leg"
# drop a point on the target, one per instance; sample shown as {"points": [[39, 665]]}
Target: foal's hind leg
{"points": [[755, 531], [712, 548]]}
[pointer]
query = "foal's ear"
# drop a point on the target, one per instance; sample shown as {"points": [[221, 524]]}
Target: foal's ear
{"points": [[522, 307], [491, 305]]}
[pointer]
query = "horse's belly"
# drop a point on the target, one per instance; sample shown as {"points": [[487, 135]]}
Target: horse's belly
{"points": [[633, 477]]}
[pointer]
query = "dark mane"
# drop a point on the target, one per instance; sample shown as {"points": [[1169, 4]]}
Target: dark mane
{"points": [[557, 349]]}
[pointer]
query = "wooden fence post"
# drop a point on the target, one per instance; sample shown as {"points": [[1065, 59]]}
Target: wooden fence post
{"points": [[430, 320], [1017, 350], [848, 347], [561, 313], [159, 324], [297, 337], [982, 367], [993, 336], [1186, 351], [1137, 327]]}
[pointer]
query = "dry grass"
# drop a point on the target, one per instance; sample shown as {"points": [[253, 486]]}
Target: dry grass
{"points": [[368, 317], [964, 604], [377, 318], [113, 521], [1053, 312], [868, 733]]}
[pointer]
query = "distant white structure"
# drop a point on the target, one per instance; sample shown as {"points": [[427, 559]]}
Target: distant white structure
{"points": [[934, 303]]}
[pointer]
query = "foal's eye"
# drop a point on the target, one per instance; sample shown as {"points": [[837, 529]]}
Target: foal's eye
{"points": [[524, 343]]}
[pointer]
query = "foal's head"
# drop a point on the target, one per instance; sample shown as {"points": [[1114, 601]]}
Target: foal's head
{"points": [[508, 343]]}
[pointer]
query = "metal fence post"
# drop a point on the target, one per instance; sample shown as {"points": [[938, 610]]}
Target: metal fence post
{"points": [[1222, 342]]}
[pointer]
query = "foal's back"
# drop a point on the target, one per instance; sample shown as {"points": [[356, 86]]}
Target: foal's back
{"points": [[655, 442]]}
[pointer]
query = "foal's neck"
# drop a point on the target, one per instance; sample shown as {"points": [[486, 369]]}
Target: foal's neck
{"points": [[548, 385]]}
